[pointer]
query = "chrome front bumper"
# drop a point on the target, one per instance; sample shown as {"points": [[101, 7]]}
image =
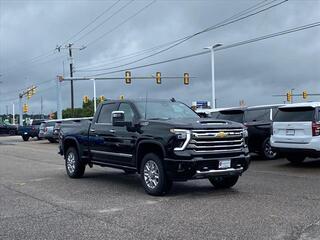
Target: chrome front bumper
{"points": [[220, 172]]}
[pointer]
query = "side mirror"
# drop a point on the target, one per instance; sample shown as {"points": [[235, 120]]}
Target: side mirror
{"points": [[117, 118]]}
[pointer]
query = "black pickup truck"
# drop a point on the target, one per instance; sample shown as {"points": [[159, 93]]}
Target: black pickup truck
{"points": [[162, 140]]}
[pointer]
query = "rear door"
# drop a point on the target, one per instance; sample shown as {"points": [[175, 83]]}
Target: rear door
{"points": [[294, 125]]}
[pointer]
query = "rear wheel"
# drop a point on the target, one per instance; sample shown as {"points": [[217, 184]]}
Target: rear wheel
{"points": [[224, 182], [25, 138], [75, 168], [267, 151], [153, 176], [296, 159], [12, 132]]}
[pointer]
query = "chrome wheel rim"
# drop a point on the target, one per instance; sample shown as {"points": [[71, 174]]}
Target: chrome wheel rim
{"points": [[268, 150], [71, 162], [151, 174]]}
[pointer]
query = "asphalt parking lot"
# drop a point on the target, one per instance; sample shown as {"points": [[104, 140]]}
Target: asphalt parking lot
{"points": [[273, 200]]}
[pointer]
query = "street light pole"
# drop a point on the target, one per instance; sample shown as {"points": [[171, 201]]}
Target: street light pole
{"points": [[94, 95], [213, 94]]}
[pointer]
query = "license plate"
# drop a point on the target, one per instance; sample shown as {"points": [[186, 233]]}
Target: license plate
{"points": [[224, 163], [290, 132]]}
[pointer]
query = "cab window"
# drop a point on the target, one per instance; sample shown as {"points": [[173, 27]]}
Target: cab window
{"points": [[105, 113], [257, 115], [128, 112]]}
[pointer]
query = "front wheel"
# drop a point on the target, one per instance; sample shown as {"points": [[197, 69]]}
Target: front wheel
{"points": [[267, 152], [25, 138], [75, 168], [296, 159], [224, 182], [153, 176]]}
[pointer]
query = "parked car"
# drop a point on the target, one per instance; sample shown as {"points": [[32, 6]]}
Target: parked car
{"points": [[30, 131], [162, 140], [10, 129], [296, 131], [258, 120], [48, 131]]}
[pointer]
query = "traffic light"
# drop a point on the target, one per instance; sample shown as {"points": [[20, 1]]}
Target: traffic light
{"points": [[158, 77], [128, 77], [85, 99], [121, 97], [25, 108], [102, 98], [304, 94], [29, 93], [289, 96], [186, 79], [33, 90]]}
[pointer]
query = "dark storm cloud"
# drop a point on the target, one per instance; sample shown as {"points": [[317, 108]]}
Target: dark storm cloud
{"points": [[251, 72]]}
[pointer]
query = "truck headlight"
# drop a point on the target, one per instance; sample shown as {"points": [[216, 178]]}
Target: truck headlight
{"points": [[183, 137], [245, 133]]}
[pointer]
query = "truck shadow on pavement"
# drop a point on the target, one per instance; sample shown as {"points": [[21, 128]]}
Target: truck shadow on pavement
{"points": [[132, 183], [307, 164]]}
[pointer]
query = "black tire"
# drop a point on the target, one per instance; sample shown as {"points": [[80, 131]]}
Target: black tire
{"points": [[296, 159], [128, 172], [25, 138], [266, 150], [52, 140], [74, 168], [158, 183], [224, 181], [12, 132]]}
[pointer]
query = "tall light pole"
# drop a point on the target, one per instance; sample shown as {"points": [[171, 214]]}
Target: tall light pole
{"points": [[213, 96]]}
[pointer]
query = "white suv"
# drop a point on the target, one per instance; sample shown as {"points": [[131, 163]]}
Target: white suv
{"points": [[296, 131]]}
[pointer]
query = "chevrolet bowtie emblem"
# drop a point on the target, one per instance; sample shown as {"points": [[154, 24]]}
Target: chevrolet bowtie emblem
{"points": [[221, 135]]}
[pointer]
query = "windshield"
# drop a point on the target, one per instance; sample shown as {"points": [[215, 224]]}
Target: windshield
{"points": [[300, 114], [236, 116], [164, 110]]}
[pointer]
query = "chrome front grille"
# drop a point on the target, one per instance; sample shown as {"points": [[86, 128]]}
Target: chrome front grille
{"points": [[216, 141]]}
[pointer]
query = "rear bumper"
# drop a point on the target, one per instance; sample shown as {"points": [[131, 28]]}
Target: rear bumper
{"points": [[198, 168], [292, 151], [283, 144]]}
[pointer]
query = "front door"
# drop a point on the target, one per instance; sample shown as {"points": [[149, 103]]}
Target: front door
{"points": [[100, 132]]}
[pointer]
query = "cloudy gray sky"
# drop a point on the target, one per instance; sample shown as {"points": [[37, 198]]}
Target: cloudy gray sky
{"points": [[253, 72]]}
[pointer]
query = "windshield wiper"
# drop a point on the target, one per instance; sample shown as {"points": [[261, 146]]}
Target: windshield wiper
{"points": [[163, 118]]}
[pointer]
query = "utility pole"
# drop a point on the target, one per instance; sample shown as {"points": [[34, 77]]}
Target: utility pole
{"points": [[213, 96], [71, 75], [20, 110], [58, 85], [41, 107]]}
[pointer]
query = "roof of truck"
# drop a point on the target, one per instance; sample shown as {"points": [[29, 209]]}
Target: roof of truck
{"points": [[305, 104]]}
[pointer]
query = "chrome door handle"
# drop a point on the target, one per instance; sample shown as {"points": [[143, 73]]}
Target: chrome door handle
{"points": [[92, 130], [112, 130]]}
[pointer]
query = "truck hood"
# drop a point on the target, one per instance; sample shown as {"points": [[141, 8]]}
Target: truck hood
{"points": [[198, 123]]}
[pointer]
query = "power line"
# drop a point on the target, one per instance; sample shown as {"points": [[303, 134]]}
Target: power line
{"points": [[296, 29], [248, 10], [123, 22], [216, 26], [93, 21], [106, 20]]}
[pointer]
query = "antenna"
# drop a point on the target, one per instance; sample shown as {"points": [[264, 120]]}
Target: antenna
{"points": [[145, 107]]}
